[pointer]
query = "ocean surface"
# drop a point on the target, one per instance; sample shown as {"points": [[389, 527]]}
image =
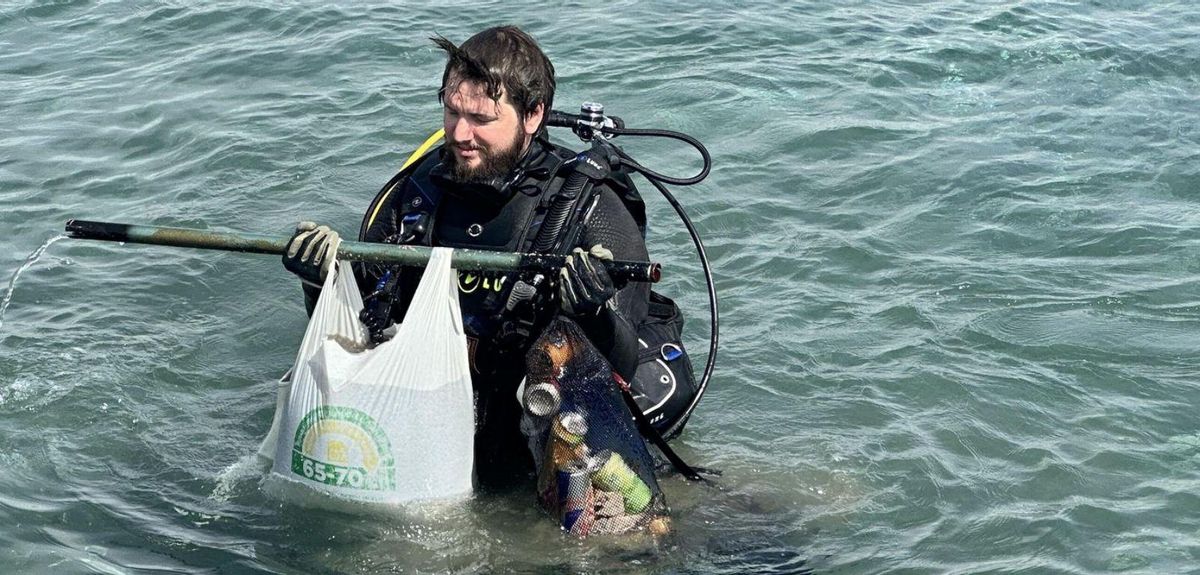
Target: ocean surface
{"points": [[957, 245]]}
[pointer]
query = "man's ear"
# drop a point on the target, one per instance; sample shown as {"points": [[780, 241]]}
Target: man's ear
{"points": [[534, 119]]}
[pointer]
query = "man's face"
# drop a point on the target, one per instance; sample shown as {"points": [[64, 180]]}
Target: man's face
{"points": [[486, 137]]}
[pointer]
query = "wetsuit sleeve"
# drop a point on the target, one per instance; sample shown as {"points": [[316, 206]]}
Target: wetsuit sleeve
{"points": [[311, 294], [614, 330]]}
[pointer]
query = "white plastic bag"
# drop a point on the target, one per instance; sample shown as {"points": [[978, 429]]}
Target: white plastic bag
{"points": [[393, 424]]}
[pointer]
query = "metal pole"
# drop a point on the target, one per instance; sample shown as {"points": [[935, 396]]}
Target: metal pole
{"points": [[416, 256]]}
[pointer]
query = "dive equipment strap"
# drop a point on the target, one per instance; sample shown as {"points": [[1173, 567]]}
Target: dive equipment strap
{"points": [[377, 306], [648, 431]]}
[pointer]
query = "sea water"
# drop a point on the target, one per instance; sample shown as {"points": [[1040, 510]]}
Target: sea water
{"points": [[956, 245]]}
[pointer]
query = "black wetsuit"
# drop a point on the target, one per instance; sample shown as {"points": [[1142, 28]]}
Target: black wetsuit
{"points": [[496, 217]]}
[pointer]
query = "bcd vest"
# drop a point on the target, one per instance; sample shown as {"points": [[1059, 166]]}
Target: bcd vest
{"points": [[509, 309]]}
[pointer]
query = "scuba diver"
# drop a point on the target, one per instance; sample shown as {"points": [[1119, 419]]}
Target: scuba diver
{"points": [[498, 183]]}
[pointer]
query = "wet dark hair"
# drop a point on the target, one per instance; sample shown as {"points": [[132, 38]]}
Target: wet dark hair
{"points": [[501, 57]]}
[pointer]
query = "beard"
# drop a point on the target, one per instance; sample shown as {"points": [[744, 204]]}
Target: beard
{"points": [[494, 164]]}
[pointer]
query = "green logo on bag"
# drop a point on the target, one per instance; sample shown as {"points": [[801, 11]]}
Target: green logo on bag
{"points": [[343, 446]]}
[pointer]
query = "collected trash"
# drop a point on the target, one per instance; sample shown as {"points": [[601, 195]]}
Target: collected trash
{"points": [[595, 473]]}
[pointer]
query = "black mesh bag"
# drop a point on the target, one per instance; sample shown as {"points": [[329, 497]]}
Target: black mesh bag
{"points": [[595, 474]]}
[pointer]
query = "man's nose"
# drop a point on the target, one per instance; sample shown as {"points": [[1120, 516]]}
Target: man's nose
{"points": [[461, 131]]}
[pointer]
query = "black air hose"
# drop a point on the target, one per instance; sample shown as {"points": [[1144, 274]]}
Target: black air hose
{"points": [[560, 210]]}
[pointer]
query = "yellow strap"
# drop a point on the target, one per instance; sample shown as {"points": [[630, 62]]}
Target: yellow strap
{"points": [[418, 154], [429, 142]]}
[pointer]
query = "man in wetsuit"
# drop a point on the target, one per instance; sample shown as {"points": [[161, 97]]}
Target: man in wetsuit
{"points": [[490, 187]]}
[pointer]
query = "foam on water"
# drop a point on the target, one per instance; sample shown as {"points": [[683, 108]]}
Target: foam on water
{"points": [[30, 260]]}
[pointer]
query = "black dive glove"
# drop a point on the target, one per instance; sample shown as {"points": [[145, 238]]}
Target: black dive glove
{"points": [[584, 284], [587, 291], [311, 252]]}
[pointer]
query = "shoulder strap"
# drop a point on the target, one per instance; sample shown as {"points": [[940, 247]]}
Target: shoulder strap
{"points": [[415, 160], [407, 195], [629, 195], [552, 180], [562, 210]]}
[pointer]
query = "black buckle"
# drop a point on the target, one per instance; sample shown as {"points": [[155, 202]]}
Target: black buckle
{"points": [[413, 226]]}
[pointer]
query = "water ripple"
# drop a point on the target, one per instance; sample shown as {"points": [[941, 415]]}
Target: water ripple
{"points": [[954, 242]]}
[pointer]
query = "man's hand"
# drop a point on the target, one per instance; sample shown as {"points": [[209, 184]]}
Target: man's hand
{"points": [[584, 284], [311, 251]]}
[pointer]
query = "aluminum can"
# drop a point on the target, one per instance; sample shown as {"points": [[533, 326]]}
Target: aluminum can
{"points": [[576, 500], [542, 399], [570, 426], [613, 474], [565, 455]]}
